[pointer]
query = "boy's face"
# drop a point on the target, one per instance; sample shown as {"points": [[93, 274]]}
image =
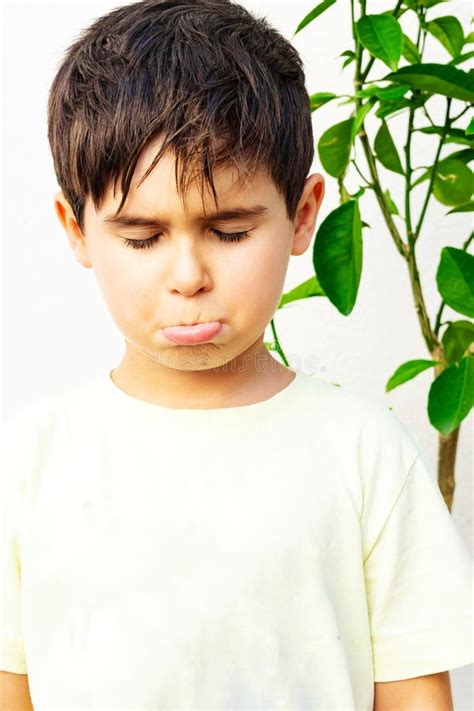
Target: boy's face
{"points": [[190, 275]]}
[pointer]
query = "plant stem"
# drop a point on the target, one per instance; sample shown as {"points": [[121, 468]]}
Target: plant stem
{"points": [[425, 111], [369, 184], [277, 343], [405, 249], [437, 325], [420, 306], [467, 242], [447, 123], [429, 336], [461, 113], [408, 167], [408, 172], [379, 193], [364, 74], [376, 186]]}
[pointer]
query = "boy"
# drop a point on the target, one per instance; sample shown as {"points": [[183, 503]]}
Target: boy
{"points": [[202, 527]]}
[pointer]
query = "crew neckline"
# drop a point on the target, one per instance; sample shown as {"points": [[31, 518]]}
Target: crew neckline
{"points": [[213, 414]]}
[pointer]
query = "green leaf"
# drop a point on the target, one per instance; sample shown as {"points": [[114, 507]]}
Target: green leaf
{"points": [[432, 3], [384, 93], [455, 280], [448, 30], [350, 57], [470, 129], [469, 38], [387, 108], [382, 36], [465, 155], [347, 100], [308, 288], [454, 135], [391, 205], [361, 114], [415, 4], [450, 398], [407, 371], [441, 79], [462, 58], [466, 207], [453, 183], [320, 98], [334, 147], [315, 12], [356, 196], [386, 151], [422, 178], [462, 140], [456, 340], [410, 51], [337, 255]]}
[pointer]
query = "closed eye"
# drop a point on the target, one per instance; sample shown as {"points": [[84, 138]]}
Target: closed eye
{"points": [[150, 241]]}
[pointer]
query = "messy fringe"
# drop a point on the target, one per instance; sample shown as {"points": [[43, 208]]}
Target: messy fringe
{"points": [[218, 85]]}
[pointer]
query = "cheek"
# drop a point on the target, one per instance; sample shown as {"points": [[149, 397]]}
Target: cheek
{"points": [[260, 273], [127, 288]]}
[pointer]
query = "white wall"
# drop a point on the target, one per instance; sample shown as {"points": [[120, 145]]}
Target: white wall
{"points": [[55, 325]]}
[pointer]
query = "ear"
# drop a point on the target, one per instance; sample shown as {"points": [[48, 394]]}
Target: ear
{"points": [[307, 213], [74, 234]]}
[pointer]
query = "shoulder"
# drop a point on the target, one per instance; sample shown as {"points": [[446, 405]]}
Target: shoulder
{"points": [[27, 432], [42, 414], [372, 442], [351, 413]]}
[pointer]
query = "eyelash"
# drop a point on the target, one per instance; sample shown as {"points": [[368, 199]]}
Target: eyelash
{"points": [[150, 241]]}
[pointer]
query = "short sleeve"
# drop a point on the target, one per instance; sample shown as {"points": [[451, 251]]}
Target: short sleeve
{"points": [[13, 457], [418, 577]]}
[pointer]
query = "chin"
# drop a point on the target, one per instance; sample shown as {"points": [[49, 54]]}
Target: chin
{"points": [[203, 356]]}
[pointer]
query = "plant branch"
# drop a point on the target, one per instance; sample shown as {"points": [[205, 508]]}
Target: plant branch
{"points": [[429, 336], [421, 33], [468, 242], [376, 186], [368, 183], [425, 111], [446, 125], [455, 118], [277, 343], [364, 74], [408, 172], [405, 249], [379, 193], [437, 325]]}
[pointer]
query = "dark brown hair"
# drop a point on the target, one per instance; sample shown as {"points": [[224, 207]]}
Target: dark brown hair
{"points": [[218, 84]]}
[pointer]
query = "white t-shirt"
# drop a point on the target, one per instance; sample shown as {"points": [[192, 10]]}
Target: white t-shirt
{"points": [[280, 555]]}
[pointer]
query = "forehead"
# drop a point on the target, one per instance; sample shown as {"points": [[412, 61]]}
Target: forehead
{"points": [[158, 193]]}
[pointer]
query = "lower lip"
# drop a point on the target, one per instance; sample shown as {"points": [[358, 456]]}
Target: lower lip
{"points": [[198, 333]]}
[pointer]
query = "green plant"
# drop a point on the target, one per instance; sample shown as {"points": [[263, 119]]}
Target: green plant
{"points": [[378, 40]]}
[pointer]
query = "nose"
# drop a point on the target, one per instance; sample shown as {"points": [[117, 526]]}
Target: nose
{"points": [[188, 272]]}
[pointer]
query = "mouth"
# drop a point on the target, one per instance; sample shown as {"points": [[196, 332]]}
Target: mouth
{"points": [[192, 333]]}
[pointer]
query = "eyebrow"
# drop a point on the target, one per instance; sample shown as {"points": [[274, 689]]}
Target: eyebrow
{"points": [[221, 215]]}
